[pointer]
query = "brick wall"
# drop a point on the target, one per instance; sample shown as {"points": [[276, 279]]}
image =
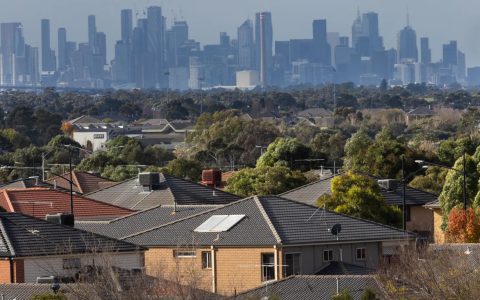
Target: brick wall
{"points": [[18, 271], [236, 269], [421, 219]]}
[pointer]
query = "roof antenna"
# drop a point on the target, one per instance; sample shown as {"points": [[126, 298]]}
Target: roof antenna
{"points": [[174, 207], [408, 17]]}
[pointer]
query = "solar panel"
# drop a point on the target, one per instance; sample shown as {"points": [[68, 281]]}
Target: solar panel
{"points": [[210, 223], [219, 223]]}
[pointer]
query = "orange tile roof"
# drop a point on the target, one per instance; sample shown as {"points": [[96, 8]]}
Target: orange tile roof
{"points": [[83, 182], [39, 202]]}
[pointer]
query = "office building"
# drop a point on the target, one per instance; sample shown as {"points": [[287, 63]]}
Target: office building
{"points": [[246, 46], [48, 55], [264, 46], [407, 45], [425, 51]]}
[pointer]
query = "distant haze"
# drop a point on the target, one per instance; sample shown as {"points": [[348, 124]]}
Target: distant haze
{"points": [[442, 20]]}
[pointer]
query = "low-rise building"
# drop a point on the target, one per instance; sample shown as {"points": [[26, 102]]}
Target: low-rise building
{"points": [[256, 240]]}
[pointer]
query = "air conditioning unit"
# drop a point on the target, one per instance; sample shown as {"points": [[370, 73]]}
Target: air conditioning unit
{"points": [[388, 184], [148, 179], [60, 218], [46, 279]]}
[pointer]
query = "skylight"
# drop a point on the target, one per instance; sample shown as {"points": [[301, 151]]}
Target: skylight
{"points": [[219, 223]]}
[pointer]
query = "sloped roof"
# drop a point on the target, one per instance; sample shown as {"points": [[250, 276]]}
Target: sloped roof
{"points": [[85, 120], [343, 268], [130, 194], [25, 236], [142, 220], [310, 193], [421, 111], [39, 202], [26, 291], [83, 182], [25, 183], [312, 287], [268, 220], [314, 113]]}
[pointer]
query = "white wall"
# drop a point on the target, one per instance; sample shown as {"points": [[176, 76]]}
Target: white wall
{"points": [[83, 137], [53, 265]]}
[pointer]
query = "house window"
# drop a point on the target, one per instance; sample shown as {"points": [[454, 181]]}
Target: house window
{"points": [[361, 254], [206, 260], [327, 255], [268, 266], [99, 136], [184, 254], [71, 263], [292, 261]]}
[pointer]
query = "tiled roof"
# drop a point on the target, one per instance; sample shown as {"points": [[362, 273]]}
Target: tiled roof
{"points": [[310, 193], [83, 182], [269, 220], [26, 291], [26, 236], [342, 268], [172, 189], [312, 287], [314, 113], [421, 111], [26, 183], [85, 120], [142, 220], [39, 202]]}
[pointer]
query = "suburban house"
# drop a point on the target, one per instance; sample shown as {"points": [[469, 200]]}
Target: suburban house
{"points": [[311, 287], [244, 244], [33, 250], [40, 202], [153, 189], [319, 117], [438, 233], [83, 182], [419, 219], [419, 114]]}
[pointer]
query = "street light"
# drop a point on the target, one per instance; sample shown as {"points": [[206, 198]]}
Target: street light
{"points": [[463, 172]]}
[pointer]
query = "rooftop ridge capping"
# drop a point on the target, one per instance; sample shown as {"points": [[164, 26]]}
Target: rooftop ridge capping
{"points": [[267, 219], [186, 218], [308, 184]]}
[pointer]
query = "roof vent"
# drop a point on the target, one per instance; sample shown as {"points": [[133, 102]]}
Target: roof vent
{"points": [[63, 219], [388, 184]]}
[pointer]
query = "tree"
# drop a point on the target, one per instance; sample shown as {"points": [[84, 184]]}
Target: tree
{"points": [[343, 295], [184, 168], [369, 294], [50, 297], [356, 151], [13, 139], [452, 192], [431, 182], [360, 196], [285, 152], [463, 226], [264, 181]]}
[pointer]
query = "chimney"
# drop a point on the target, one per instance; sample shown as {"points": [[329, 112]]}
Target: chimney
{"points": [[55, 184]]}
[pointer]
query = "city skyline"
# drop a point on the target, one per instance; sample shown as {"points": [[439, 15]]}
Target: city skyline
{"points": [[426, 18]]}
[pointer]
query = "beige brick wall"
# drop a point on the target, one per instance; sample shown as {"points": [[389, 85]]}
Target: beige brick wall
{"points": [[439, 235], [236, 269], [421, 219]]}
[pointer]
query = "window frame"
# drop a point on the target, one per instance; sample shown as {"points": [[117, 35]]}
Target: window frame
{"points": [[264, 268], [206, 264], [330, 257], [71, 263], [299, 264], [362, 257], [184, 253]]}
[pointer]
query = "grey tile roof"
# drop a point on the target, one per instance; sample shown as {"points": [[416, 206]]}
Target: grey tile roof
{"points": [[315, 113], [312, 287], [421, 111], [310, 193], [269, 220], [142, 220], [24, 236], [26, 291], [343, 268], [130, 194]]}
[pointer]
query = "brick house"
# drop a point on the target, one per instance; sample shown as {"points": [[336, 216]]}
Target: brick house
{"points": [[242, 245], [31, 248]]}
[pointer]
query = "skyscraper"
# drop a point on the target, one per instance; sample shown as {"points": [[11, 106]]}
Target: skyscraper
{"points": [[425, 51], [321, 49], [366, 37], [126, 24], [407, 45], [92, 31], [62, 48], [246, 46], [264, 46], [156, 46], [48, 55], [450, 54]]}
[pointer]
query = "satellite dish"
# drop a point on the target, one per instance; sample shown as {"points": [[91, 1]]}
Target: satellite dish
{"points": [[335, 230]]}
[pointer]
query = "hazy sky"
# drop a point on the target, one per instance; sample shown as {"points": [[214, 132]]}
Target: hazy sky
{"points": [[441, 20]]}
